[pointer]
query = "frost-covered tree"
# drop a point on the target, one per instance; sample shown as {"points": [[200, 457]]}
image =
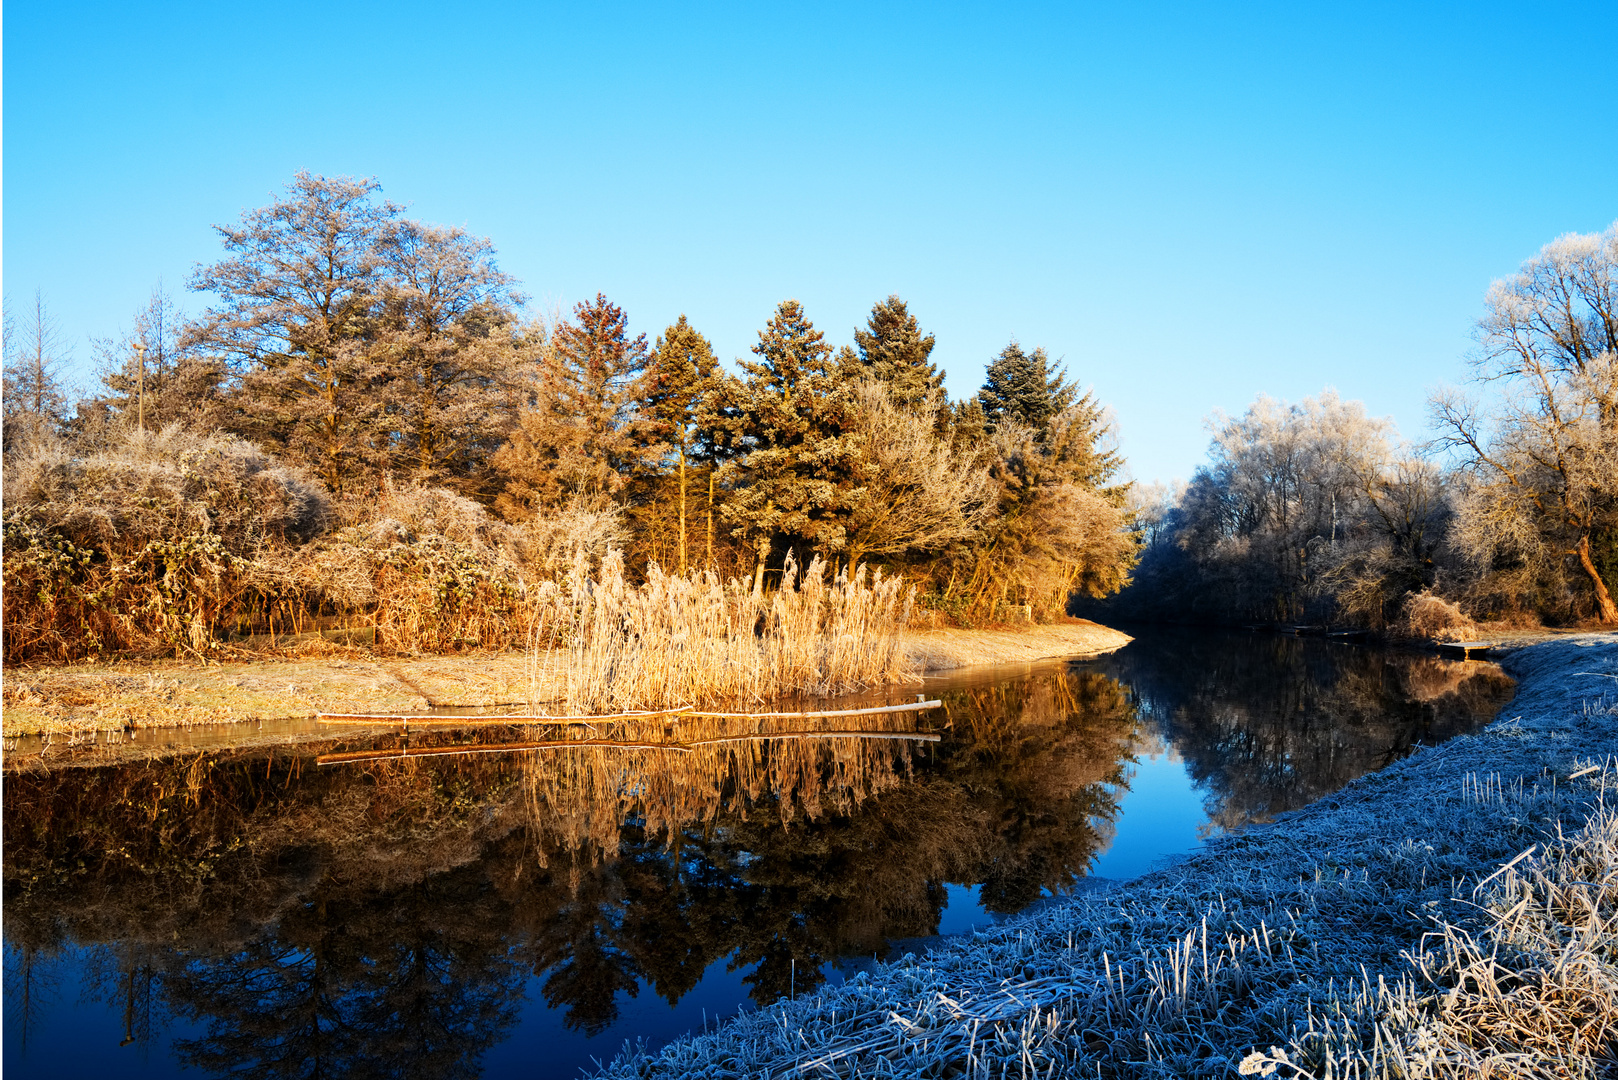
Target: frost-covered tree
{"points": [[893, 351], [359, 341], [1539, 446], [918, 492], [450, 342], [178, 384], [295, 315], [581, 435], [1282, 494], [35, 389]]}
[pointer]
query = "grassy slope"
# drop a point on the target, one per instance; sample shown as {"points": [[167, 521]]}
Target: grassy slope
{"points": [[1290, 937]]}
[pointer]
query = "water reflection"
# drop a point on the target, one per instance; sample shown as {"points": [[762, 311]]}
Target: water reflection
{"points": [[260, 916], [1268, 723]]}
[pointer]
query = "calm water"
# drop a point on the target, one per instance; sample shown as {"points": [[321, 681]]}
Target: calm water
{"points": [[250, 913]]}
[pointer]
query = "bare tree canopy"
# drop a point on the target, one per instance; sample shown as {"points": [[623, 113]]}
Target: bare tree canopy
{"points": [[1540, 443], [361, 341], [35, 390]]}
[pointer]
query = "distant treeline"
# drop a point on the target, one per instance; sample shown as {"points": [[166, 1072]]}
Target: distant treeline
{"points": [[1317, 513], [366, 421]]}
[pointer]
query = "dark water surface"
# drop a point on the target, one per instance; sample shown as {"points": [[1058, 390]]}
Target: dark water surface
{"points": [[249, 913]]}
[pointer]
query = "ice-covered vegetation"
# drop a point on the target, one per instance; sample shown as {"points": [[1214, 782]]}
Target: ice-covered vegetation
{"points": [[365, 427], [1317, 512]]}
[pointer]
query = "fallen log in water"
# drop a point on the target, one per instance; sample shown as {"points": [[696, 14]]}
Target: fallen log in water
{"points": [[913, 706], [508, 719]]}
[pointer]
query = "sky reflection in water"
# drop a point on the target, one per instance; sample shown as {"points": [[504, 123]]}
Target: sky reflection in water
{"points": [[506, 915]]}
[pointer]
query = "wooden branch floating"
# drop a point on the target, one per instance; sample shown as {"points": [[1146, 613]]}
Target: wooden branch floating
{"points": [[914, 706], [910, 736], [406, 719], [391, 719], [556, 744]]}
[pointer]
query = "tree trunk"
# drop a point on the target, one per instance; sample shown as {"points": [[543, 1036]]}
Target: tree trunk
{"points": [[682, 510], [1604, 604], [710, 516], [758, 571]]}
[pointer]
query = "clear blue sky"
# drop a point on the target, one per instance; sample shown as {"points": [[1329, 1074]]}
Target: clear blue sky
{"points": [[1191, 204]]}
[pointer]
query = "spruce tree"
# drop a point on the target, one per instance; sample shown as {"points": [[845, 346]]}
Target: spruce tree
{"points": [[893, 350], [1022, 387], [794, 412], [682, 370], [581, 436]]}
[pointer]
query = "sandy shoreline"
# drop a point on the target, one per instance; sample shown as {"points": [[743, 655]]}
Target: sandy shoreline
{"points": [[83, 698]]}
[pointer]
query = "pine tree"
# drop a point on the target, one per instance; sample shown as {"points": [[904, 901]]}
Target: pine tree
{"points": [[795, 412], [894, 352], [1022, 387], [682, 370]]}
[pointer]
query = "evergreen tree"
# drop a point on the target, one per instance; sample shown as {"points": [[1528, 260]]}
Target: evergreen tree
{"points": [[581, 435], [795, 413], [682, 370], [894, 351], [1022, 387]]}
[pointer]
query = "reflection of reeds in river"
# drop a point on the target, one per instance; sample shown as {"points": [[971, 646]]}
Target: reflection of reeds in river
{"points": [[602, 644], [580, 798]]}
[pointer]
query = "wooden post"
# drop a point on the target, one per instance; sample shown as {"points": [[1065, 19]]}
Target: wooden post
{"points": [[140, 385]]}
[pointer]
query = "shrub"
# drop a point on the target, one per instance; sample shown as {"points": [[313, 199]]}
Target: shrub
{"points": [[1433, 618]]}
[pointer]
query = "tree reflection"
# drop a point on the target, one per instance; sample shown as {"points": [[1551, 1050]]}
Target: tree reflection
{"points": [[1270, 723], [384, 919]]}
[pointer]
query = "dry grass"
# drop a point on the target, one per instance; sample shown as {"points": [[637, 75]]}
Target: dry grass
{"points": [[693, 639], [1432, 618]]}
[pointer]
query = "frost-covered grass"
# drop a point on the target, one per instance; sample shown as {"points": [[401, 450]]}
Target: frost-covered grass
{"points": [[1453, 915]]}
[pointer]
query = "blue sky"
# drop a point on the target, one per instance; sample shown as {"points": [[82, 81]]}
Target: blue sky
{"points": [[1190, 204]]}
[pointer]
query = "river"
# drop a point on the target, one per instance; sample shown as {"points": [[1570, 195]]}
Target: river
{"points": [[250, 912]]}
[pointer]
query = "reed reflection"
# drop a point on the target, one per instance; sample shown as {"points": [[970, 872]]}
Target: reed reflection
{"points": [[369, 918]]}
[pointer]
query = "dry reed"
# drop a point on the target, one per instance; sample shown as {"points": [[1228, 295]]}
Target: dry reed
{"points": [[693, 639]]}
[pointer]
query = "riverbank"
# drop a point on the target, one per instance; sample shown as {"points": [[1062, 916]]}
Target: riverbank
{"points": [[80, 699], [1373, 933]]}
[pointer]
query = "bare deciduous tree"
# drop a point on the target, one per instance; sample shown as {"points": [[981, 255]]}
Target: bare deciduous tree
{"points": [[178, 384], [450, 340], [1541, 452], [917, 492], [295, 302], [1285, 486], [35, 391]]}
